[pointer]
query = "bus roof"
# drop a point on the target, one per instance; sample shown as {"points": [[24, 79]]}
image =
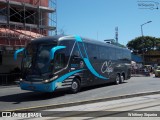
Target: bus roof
{"points": [[46, 39], [67, 37], [92, 41]]}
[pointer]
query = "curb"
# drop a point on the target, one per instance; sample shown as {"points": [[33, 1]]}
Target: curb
{"points": [[53, 106], [7, 86]]}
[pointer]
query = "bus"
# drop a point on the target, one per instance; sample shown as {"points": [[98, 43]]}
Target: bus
{"points": [[72, 62]]}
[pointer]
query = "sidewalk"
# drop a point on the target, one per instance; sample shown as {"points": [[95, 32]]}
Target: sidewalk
{"points": [[139, 107], [8, 86], [136, 108]]}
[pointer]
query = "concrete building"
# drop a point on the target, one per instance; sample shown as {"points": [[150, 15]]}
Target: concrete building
{"points": [[20, 22]]}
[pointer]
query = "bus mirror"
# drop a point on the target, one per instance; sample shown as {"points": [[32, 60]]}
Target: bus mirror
{"points": [[17, 52], [54, 49]]}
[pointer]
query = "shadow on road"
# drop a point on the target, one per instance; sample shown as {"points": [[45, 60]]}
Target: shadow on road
{"points": [[36, 96], [31, 96]]}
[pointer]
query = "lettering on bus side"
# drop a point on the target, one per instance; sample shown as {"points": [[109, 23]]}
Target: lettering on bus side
{"points": [[107, 67], [74, 65]]}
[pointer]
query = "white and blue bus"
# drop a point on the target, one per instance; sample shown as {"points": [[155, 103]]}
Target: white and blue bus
{"points": [[52, 63]]}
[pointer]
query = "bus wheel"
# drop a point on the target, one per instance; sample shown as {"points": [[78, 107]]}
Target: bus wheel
{"points": [[117, 81], [122, 79], [75, 86]]}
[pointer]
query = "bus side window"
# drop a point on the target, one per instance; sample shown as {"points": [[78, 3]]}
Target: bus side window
{"points": [[76, 53], [112, 54], [59, 61], [104, 53], [93, 51], [119, 54]]}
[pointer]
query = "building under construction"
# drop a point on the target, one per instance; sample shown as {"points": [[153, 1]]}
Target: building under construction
{"points": [[20, 22]]}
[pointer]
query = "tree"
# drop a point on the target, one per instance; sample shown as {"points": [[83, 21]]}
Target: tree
{"points": [[143, 44]]}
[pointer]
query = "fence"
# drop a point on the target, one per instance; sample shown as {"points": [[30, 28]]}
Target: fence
{"points": [[9, 78]]}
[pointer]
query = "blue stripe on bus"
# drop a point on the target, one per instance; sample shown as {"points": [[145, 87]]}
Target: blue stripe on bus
{"points": [[17, 51], [62, 78], [79, 50], [86, 60], [85, 51], [90, 67], [48, 87], [78, 38], [54, 49]]}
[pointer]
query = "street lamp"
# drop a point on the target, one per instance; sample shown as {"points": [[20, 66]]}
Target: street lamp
{"points": [[142, 37], [143, 25]]}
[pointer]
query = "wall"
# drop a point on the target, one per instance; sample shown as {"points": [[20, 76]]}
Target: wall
{"points": [[8, 63]]}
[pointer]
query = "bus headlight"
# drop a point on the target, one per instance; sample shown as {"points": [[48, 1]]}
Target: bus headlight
{"points": [[46, 81], [51, 79], [20, 79]]}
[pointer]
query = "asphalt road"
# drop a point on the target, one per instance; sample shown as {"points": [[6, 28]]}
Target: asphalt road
{"points": [[14, 98]]}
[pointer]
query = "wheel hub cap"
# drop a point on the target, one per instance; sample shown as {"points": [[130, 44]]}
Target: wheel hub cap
{"points": [[74, 85]]}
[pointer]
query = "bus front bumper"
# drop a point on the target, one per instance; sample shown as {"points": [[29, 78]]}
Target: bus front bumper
{"points": [[41, 87]]}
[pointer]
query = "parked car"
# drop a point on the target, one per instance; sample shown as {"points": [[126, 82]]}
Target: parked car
{"points": [[157, 72]]}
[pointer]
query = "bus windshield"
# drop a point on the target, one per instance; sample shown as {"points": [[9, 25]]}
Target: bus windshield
{"points": [[36, 59]]}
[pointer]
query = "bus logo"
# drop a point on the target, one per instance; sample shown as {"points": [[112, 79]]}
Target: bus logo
{"points": [[107, 67]]}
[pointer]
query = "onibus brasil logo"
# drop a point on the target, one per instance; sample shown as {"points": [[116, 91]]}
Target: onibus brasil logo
{"points": [[107, 67]]}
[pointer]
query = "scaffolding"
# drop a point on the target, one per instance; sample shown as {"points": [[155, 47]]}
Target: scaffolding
{"points": [[24, 20]]}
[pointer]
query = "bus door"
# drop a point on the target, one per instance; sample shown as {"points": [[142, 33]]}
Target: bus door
{"points": [[93, 57], [76, 58], [80, 59]]}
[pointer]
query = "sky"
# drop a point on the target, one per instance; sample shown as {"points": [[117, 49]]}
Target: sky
{"points": [[97, 19]]}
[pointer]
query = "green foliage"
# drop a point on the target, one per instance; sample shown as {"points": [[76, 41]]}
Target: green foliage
{"points": [[143, 44]]}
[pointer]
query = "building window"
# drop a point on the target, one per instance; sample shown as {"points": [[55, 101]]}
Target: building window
{"points": [[3, 16]]}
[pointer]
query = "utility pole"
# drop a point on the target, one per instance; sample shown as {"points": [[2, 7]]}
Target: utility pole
{"points": [[143, 39], [116, 34]]}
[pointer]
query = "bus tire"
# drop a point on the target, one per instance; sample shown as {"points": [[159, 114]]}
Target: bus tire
{"points": [[75, 86], [117, 80], [122, 79]]}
